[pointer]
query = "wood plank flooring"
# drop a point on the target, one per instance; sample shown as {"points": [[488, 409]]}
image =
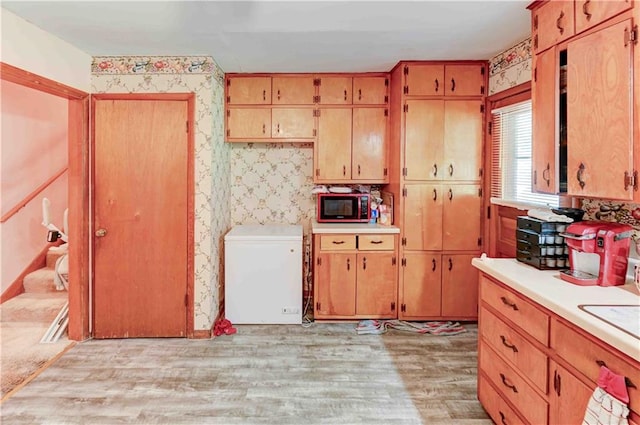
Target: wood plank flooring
{"points": [[268, 374]]}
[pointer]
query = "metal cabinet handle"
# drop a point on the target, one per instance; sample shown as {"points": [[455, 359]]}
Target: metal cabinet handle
{"points": [[433, 264], [508, 385], [359, 94], [264, 95], [344, 170], [559, 22], [511, 304], [547, 172], [278, 128], [348, 264], [453, 85], [450, 170], [503, 419], [450, 264], [585, 9], [345, 95], [507, 344], [435, 194], [437, 85], [101, 233], [435, 170], [364, 263], [450, 194], [581, 182], [358, 169], [278, 94], [264, 128], [376, 242], [337, 242], [626, 380]]}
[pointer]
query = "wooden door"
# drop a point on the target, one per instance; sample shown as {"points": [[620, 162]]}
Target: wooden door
{"points": [[459, 287], [249, 90], [292, 123], [421, 289], [335, 90], [293, 90], [461, 217], [462, 140], [464, 80], [425, 80], [369, 144], [599, 113], [423, 217], [370, 90], [377, 284], [332, 150], [140, 218], [424, 139], [590, 13], [335, 288], [568, 396], [248, 123], [553, 22], [544, 101]]}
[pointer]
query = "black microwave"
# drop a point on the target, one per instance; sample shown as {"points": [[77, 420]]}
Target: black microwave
{"points": [[343, 208]]}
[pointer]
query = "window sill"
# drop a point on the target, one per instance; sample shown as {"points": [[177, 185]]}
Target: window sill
{"points": [[518, 205]]}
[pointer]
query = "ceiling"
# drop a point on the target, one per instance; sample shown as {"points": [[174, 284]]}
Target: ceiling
{"points": [[286, 36]]}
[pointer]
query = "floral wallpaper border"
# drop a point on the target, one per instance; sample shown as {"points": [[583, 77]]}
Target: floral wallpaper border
{"points": [[513, 56], [510, 68], [157, 65]]}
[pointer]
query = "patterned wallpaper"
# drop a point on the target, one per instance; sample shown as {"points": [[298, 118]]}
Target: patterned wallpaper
{"points": [[202, 76], [510, 68]]}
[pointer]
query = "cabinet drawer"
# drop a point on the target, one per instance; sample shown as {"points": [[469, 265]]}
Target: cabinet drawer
{"points": [[512, 386], [337, 242], [584, 354], [499, 411], [514, 308], [530, 361], [375, 243]]}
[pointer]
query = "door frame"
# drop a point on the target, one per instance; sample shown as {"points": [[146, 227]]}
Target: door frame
{"points": [[78, 190], [190, 99]]}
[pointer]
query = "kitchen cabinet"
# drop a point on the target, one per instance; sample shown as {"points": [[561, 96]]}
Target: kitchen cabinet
{"points": [[292, 123], [600, 114], [248, 123], [355, 276], [334, 90], [443, 139], [553, 22], [591, 13], [370, 90], [436, 79], [441, 286], [442, 217], [351, 145], [249, 91], [568, 397], [293, 90], [277, 123]]}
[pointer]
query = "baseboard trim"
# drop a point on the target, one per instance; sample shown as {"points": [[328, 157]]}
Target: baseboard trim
{"points": [[202, 334], [16, 288]]}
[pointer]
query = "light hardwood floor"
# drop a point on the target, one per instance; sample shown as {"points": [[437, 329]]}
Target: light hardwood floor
{"points": [[269, 374]]}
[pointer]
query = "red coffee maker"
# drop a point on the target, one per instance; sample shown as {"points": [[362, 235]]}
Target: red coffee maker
{"points": [[598, 253]]}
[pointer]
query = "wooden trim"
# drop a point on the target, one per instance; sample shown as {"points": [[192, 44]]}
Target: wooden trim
{"points": [[201, 334], [191, 102], [509, 93], [34, 81], [16, 288], [20, 205]]}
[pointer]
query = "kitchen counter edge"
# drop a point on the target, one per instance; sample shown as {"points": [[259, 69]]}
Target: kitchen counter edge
{"points": [[361, 228]]}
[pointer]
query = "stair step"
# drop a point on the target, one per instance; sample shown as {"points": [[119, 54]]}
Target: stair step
{"points": [[53, 255], [33, 307], [39, 281]]}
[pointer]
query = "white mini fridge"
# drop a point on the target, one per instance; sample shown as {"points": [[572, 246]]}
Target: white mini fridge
{"points": [[263, 274]]}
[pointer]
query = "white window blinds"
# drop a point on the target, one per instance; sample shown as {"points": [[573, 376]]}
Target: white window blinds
{"points": [[511, 156]]}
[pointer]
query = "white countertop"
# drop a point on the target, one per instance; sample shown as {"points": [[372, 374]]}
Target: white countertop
{"points": [[563, 298], [351, 228]]}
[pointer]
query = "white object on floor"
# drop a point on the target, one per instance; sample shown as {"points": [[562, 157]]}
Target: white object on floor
{"points": [[263, 274], [548, 215]]}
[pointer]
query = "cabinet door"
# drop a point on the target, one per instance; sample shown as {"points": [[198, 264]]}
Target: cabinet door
{"points": [[459, 287], [423, 217], [249, 90], [424, 80], [377, 284], [568, 396], [464, 80], [335, 90], [591, 13], [248, 123], [544, 101], [421, 289], [424, 139], [369, 147], [599, 113], [335, 284], [553, 22], [333, 147], [292, 123], [370, 90], [293, 90], [461, 217], [462, 140]]}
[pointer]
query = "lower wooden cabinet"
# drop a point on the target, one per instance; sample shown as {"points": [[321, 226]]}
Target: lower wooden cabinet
{"points": [[355, 276], [568, 396], [438, 286]]}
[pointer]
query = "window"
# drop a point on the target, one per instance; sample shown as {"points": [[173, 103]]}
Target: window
{"points": [[511, 156]]}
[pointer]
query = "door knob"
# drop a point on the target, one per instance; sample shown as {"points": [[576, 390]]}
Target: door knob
{"points": [[101, 233]]}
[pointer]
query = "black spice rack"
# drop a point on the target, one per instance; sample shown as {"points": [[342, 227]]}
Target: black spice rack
{"points": [[540, 245]]}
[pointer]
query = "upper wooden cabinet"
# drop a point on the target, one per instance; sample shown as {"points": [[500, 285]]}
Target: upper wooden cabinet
{"points": [[334, 90], [552, 22], [292, 123], [249, 91], [370, 90], [590, 13], [292, 90], [444, 80]]}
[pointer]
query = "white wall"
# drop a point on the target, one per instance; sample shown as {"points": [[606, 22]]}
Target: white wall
{"points": [[28, 47]]}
